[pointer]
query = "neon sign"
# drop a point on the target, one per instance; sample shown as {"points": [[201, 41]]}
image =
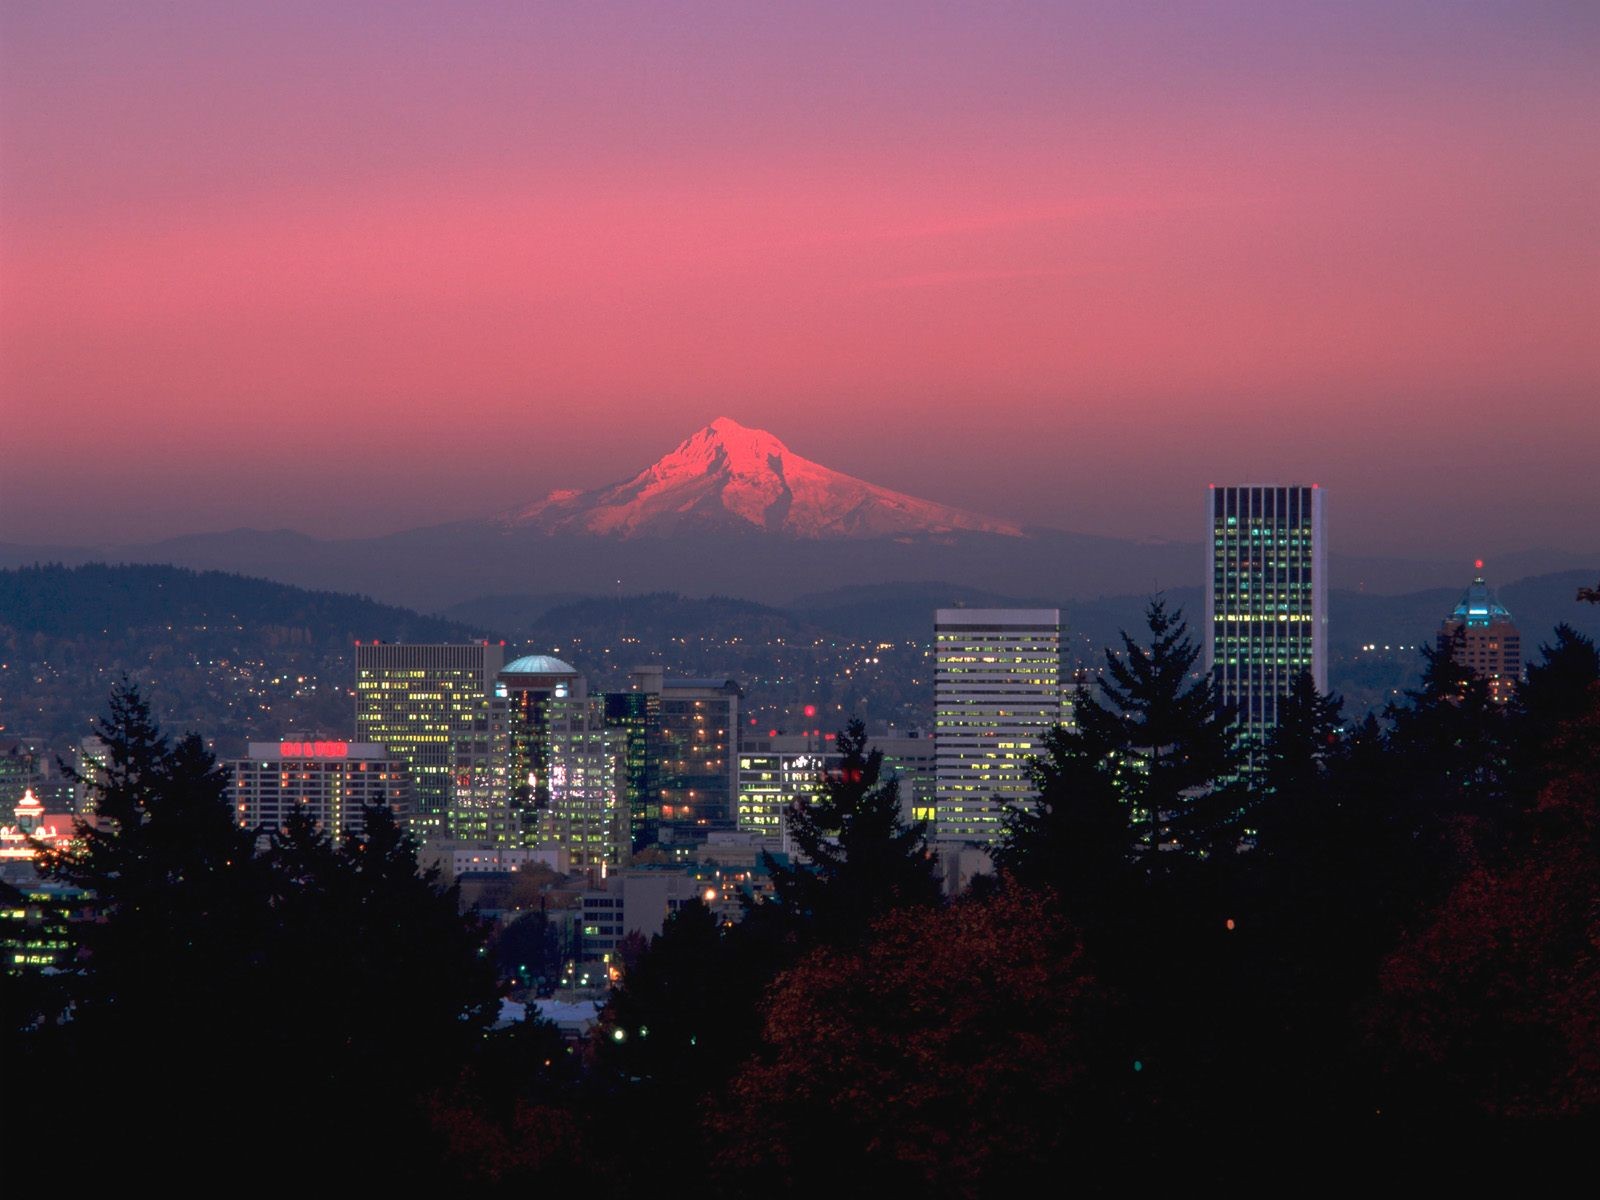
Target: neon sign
{"points": [[314, 749]]}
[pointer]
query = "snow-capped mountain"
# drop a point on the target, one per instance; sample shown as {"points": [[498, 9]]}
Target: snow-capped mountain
{"points": [[728, 475]]}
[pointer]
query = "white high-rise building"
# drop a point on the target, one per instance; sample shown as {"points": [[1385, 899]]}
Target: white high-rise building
{"points": [[997, 691], [335, 781], [1266, 617]]}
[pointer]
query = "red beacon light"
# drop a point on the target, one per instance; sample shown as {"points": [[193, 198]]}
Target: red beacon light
{"points": [[1478, 563]]}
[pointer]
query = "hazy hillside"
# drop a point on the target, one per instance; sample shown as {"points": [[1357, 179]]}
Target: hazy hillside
{"points": [[225, 654], [237, 657]]}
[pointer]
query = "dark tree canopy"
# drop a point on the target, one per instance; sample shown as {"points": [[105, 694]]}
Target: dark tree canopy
{"points": [[1172, 741], [219, 989], [858, 856], [1077, 837]]}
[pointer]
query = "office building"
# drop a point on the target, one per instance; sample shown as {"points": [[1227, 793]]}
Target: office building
{"points": [[777, 772], [565, 763], [1266, 599], [419, 701], [635, 719], [633, 901], [997, 691], [486, 810], [780, 770], [1480, 635], [333, 780], [697, 762], [22, 769]]}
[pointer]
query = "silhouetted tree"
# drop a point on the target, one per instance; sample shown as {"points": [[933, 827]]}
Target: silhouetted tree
{"points": [[319, 984], [1448, 757], [671, 1018], [858, 857], [1561, 686], [1176, 752], [178, 895], [1076, 837], [1490, 1005], [1296, 766]]}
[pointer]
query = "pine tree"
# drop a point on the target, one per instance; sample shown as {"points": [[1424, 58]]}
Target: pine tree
{"points": [[318, 985], [178, 894], [1560, 687], [1305, 739], [1176, 752], [1076, 836], [858, 857], [1296, 764]]}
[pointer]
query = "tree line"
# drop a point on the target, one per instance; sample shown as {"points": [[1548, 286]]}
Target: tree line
{"points": [[1377, 938]]}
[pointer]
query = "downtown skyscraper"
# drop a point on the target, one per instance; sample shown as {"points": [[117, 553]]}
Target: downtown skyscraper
{"points": [[1480, 635], [996, 692], [419, 701], [1266, 598]]}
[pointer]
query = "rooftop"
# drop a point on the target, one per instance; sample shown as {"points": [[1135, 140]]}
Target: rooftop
{"points": [[538, 664], [1478, 607]]}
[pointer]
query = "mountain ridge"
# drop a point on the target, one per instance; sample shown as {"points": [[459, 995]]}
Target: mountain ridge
{"points": [[729, 475]]}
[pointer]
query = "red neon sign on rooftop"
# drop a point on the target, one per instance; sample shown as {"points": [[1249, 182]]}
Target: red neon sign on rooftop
{"points": [[314, 749]]}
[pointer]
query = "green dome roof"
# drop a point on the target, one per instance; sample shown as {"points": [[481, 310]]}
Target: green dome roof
{"points": [[538, 664]]}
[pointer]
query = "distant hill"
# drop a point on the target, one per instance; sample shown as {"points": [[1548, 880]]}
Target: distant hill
{"points": [[225, 654], [514, 615], [236, 657]]}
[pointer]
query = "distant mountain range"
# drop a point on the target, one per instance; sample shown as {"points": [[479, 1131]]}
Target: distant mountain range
{"points": [[732, 511]]}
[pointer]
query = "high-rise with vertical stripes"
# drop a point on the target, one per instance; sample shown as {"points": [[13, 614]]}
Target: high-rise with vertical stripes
{"points": [[419, 701], [1266, 597], [997, 690]]}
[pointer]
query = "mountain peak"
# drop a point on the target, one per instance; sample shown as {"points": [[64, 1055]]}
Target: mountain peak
{"points": [[728, 475]]}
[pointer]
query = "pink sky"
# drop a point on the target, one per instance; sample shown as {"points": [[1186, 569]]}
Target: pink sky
{"points": [[396, 264]]}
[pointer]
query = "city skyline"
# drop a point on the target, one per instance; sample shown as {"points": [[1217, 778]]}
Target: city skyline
{"points": [[274, 265]]}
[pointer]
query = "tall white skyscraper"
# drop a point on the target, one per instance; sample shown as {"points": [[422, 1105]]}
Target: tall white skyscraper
{"points": [[997, 690], [1266, 595]]}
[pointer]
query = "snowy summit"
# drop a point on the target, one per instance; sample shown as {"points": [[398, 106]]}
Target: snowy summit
{"points": [[730, 476]]}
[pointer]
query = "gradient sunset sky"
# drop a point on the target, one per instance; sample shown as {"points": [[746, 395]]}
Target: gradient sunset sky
{"points": [[351, 268]]}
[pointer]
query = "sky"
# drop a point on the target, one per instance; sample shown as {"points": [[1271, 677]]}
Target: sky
{"points": [[356, 268]]}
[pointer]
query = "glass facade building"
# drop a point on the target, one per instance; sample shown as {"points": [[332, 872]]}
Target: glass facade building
{"points": [[564, 764], [997, 691], [696, 755], [635, 719], [1266, 598]]}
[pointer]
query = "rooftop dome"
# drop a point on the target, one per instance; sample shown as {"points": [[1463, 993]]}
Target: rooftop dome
{"points": [[538, 664], [1479, 607]]}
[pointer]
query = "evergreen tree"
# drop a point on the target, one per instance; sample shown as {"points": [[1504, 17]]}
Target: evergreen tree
{"points": [[1561, 686], [178, 894], [1305, 739], [1448, 748], [1173, 741], [318, 986], [1296, 767], [1076, 837], [859, 859]]}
